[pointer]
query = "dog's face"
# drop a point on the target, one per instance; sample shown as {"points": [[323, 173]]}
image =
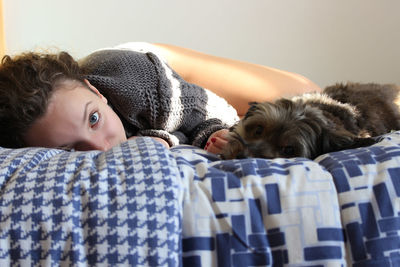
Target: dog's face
{"points": [[286, 129]]}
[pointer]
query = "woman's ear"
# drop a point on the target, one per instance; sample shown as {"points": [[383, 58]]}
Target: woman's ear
{"points": [[94, 89]]}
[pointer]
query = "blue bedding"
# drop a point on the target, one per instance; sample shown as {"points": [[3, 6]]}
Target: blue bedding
{"points": [[143, 205]]}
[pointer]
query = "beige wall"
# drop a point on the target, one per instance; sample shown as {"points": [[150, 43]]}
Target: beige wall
{"points": [[2, 41], [327, 41]]}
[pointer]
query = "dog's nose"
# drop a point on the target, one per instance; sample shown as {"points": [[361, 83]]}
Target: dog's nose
{"points": [[241, 155]]}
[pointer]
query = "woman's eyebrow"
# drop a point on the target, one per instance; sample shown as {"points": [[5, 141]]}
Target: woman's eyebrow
{"points": [[86, 111]]}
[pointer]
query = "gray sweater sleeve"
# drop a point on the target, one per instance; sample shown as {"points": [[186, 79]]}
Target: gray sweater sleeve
{"points": [[152, 99]]}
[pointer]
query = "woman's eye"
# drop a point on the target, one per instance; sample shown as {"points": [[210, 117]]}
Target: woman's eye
{"points": [[94, 118]]}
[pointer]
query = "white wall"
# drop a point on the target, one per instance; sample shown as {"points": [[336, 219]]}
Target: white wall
{"points": [[328, 41]]}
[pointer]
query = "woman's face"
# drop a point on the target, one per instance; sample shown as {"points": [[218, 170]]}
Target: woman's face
{"points": [[77, 118]]}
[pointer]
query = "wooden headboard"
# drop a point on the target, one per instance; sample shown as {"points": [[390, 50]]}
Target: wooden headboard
{"points": [[2, 37]]}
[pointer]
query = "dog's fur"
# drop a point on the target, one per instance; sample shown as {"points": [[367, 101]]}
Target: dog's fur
{"points": [[341, 117]]}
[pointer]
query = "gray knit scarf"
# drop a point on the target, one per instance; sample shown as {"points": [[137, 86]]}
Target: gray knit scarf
{"points": [[153, 100]]}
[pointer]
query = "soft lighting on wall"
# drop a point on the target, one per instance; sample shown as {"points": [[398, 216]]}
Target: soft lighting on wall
{"points": [[2, 37]]}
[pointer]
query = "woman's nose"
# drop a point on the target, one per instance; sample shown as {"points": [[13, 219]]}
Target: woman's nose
{"points": [[104, 146], [93, 144]]}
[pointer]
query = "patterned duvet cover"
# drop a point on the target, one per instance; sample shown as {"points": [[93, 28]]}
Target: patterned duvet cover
{"points": [[140, 204]]}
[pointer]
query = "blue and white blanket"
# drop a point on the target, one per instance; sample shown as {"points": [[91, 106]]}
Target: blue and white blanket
{"points": [[143, 205]]}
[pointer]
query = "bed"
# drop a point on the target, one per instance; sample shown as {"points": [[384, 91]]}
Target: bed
{"points": [[141, 204]]}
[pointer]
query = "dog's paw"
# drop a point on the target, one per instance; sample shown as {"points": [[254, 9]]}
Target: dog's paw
{"points": [[233, 150]]}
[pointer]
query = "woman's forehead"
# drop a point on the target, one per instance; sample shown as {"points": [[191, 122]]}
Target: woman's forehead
{"points": [[64, 117], [71, 90]]}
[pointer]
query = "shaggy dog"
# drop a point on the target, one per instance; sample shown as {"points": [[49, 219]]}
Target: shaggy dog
{"points": [[341, 117]]}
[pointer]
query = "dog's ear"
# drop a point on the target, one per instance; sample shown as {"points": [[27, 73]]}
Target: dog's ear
{"points": [[285, 103], [252, 108], [340, 140]]}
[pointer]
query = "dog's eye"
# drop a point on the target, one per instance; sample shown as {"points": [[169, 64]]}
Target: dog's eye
{"points": [[259, 130], [288, 151]]}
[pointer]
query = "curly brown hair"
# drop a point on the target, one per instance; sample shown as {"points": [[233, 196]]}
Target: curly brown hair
{"points": [[27, 82]]}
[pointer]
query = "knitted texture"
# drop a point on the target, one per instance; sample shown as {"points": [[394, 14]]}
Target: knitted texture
{"points": [[152, 99]]}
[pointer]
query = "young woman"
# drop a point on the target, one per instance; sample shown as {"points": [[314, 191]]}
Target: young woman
{"points": [[134, 89]]}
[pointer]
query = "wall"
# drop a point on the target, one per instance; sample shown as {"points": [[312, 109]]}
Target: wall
{"points": [[2, 41], [327, 41]]}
